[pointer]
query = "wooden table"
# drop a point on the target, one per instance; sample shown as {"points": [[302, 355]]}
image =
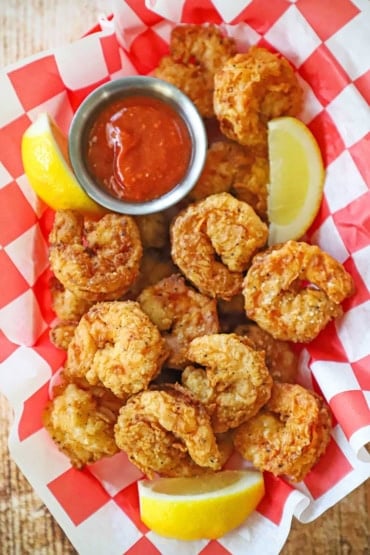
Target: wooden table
{"points": [[26, 526]]}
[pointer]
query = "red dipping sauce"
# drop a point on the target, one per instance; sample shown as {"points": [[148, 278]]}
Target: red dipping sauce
{"points": [[138, 148]]}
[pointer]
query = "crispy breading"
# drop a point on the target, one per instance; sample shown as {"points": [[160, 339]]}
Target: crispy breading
{"points": [[293, 290], [281, 360], [192, 80], [166, 431], [180, 313], [96, 260], [219, 226], [81, 426], [230, 167], [252, 88], [206, 46], [116, 344], [289, 435], [234, 382], [196, 52]]}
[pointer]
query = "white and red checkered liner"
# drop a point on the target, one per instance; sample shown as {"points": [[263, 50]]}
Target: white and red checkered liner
{"points": [[327, 42]]}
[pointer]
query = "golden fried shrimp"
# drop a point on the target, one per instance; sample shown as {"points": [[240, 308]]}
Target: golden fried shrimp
{"points": [[153, 230], [66, 305], [69, 308], [180, 313], [252, 186], [204, 46], [192, 80], [230, 167], [96, 260], [81, 425], [278, 298], [166, 431], [281, 360], [289, 435], [217, 226], [62, 333], [252, 88], [196, 52], [116, 345], [235, 383]]}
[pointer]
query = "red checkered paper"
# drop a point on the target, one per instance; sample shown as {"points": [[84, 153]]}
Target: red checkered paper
{"points": [[327, 43]]}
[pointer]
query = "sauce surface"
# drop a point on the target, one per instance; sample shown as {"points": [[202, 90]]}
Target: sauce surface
{"points": [[138, 148]]}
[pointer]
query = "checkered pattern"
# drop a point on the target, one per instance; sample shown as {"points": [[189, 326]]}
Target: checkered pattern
{"points": [[98, 507]]}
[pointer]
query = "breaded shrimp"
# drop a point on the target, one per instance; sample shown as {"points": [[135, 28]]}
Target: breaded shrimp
{"points": [[252, 88], [281, 360], [116, 345], [218, 226], [192, 80], [293, 290], [69, 308], [196, 52], [206, 46], [235, 382], [81, 425], [61, 334], [66, 305], [166, 431], [289, 435], [96, 260], [180, 313], [230, 167]]}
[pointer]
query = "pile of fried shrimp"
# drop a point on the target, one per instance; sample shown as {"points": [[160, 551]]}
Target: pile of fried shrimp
{"points": [[181, 327]]}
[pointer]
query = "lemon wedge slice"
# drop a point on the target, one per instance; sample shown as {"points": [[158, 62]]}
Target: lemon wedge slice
{"points": [[200, 507], [46, 165], [296, 179]]}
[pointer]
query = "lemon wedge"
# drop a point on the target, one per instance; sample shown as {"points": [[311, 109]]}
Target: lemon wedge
{"points": [[296, 179], [200, 507], [46, 165]]}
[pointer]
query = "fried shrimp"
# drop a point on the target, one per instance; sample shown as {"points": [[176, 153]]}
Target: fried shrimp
{"points": [[196, 52], [281, 360], [62, 333], [116, 345], [289, 435], [218, 226], [230, 167], [293, 290], [235, 382], [252, 88], [167, 431], [180, 313], [81, 425], [204, 46], [66, 305], [96, 260], [192, 80], [69, 308]]}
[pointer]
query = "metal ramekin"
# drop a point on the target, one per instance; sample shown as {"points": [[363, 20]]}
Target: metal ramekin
{"points": [[132, 86]]}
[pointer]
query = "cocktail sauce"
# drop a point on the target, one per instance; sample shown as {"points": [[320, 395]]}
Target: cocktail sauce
{"points": [[138, 148]]}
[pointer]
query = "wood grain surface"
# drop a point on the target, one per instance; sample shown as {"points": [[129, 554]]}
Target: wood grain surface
{"points": [[26, 526]]}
